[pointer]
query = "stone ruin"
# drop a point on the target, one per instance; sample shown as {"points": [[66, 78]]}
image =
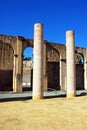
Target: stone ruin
{"points": [[56, 66]]}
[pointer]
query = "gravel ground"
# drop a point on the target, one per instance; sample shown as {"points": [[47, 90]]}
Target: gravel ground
{"points": [[46, 114]]}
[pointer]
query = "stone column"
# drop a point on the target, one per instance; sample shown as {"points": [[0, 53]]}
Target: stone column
{"points": [[38, 62], [71, 70], [44, 67], [17, 69], [14, 75], [19, 65], [62, 73]]}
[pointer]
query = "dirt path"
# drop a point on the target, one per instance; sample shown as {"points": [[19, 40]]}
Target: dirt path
{"points": [[47, 114]]}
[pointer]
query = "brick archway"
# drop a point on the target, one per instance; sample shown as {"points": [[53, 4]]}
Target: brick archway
{"points": [[27, 69], [53, 68], [79, 61]]}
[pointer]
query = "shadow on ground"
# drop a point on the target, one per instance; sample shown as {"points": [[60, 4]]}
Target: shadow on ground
{"points": [[55, 96], [15, 99], [27, 96], [82, 94]]}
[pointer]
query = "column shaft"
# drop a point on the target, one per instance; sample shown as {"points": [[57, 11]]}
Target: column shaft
{"points": [[14, 75], [62, 73], [17, 70], [71, 70], [38, 62], [44, 68]]}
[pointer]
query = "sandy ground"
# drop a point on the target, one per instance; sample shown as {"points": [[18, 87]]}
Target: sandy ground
{"points": [[47, 114]]}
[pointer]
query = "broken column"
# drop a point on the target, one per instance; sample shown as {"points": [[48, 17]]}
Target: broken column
{"points": [[71, 70], [38, 62]]}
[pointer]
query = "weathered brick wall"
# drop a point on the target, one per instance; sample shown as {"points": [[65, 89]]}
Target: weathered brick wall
{"points": [[56, 53], [54, 68], [6, 67]]}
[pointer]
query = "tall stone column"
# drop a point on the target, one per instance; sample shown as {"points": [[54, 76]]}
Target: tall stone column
{"points": [[19, 65], [44, 68], [62, 73], [71, 70], [38, 62], [14, 75], [17, 69]]}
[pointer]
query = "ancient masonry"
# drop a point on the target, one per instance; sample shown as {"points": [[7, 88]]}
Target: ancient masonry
{"points": [[56, 66]]}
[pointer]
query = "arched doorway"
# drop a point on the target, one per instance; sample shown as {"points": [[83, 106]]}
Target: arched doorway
{"points": [[79, 60], [27, 69], [53, 76], [53, 71], [6, 67]]}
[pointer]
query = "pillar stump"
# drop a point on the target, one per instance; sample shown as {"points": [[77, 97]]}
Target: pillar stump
{"points": [[70, 66], [38, 62]]}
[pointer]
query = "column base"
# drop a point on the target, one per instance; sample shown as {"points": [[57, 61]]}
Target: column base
{"points": [[37, 97], [85, 88], [17, 90], [71, 94]]}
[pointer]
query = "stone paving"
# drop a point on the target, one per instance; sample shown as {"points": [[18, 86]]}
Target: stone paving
{"points": [[10, 96]]}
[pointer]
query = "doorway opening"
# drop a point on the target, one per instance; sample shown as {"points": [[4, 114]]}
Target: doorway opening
{"points": [[27, 69], [80, 72], [6, 67], [53, 76]]}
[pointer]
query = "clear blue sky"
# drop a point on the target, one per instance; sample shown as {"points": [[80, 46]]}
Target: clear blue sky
{"points": [[17, 17]]}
